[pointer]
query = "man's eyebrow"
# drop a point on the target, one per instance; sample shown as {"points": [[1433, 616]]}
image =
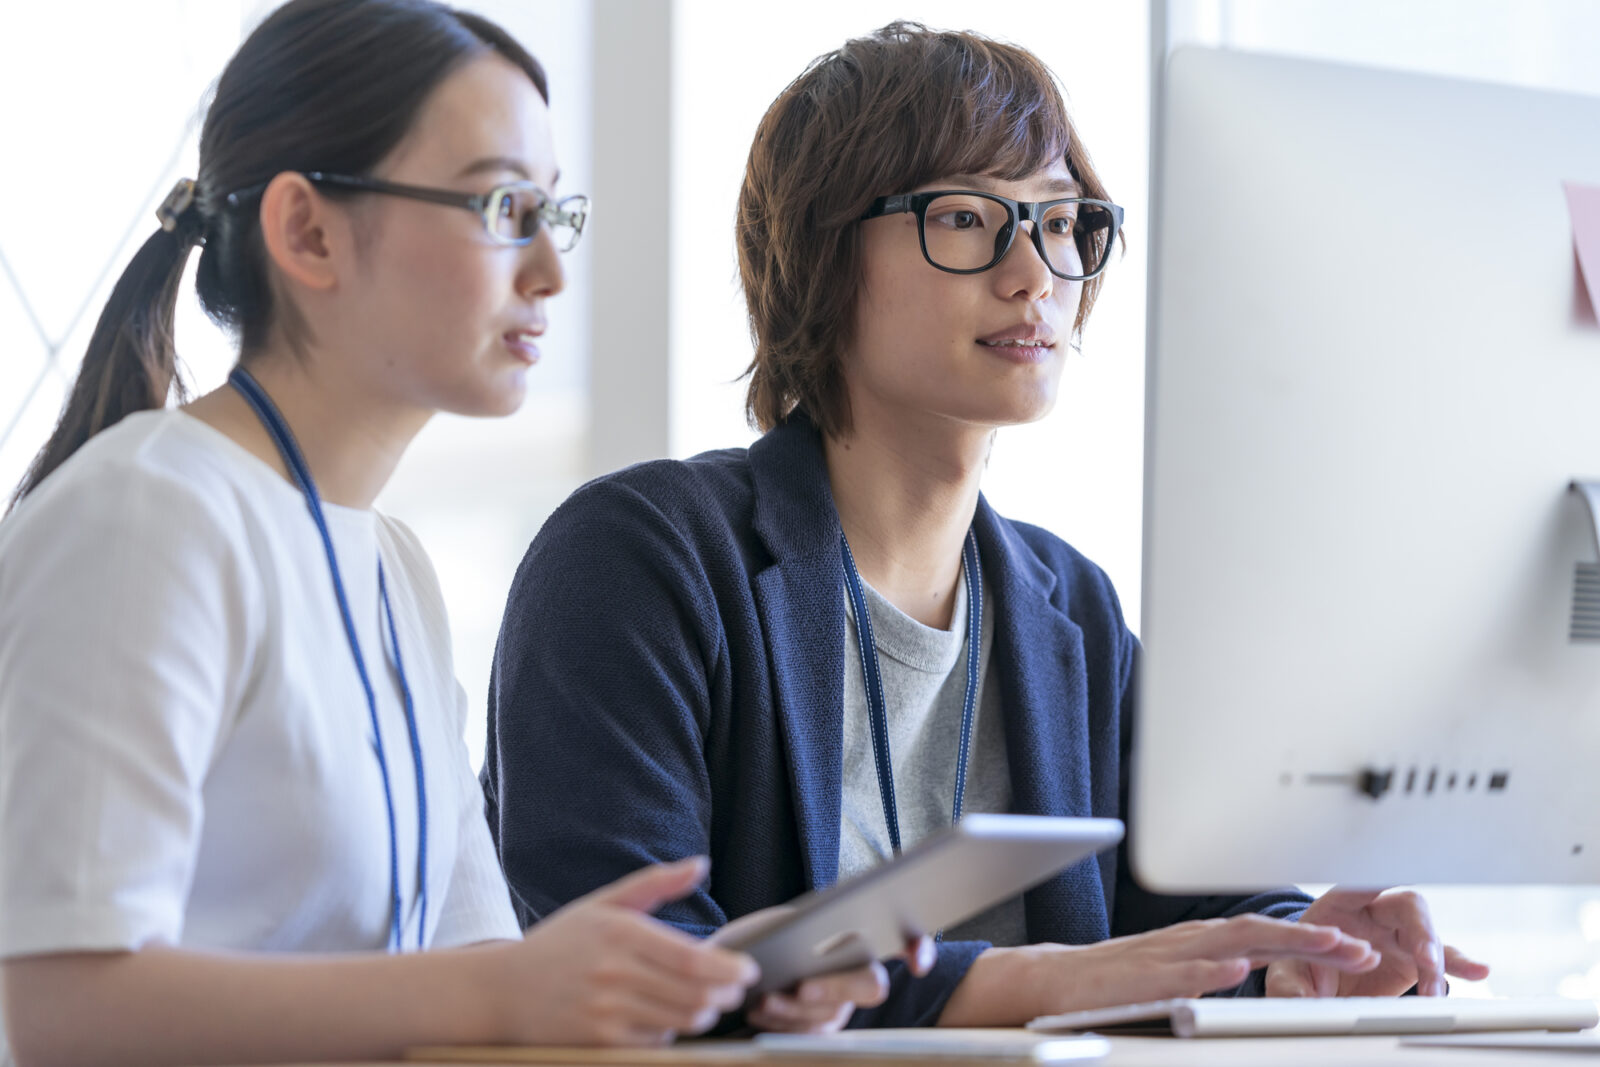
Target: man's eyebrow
{"points": [[986, 183], [1064, 186]]}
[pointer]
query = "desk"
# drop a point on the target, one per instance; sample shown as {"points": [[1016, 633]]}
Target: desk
{"points": [[1125, 1052]]}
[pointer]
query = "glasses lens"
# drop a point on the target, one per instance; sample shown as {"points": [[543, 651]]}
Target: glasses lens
{"points": [[963, 231], [514, 212], [1077, 236]]}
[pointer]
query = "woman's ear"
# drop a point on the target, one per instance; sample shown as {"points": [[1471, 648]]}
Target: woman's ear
{"points": [[301, 232]]}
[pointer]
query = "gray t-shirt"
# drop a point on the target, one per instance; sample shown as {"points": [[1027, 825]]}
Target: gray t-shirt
{"points": [[924, 684]]}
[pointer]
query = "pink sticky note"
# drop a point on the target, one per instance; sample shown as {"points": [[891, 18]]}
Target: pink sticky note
{"points": [[1583, 203]]}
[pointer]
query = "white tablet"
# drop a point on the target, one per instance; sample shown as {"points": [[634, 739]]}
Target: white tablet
{"points": [[942, 881]]}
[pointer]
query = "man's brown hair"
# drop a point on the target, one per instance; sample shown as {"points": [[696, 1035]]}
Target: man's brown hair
{"points": [[880, 116]]}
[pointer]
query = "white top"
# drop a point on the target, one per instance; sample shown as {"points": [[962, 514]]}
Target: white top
{"points": [[186, 753]]}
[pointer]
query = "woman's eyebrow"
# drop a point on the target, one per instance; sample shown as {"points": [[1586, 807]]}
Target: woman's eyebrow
{"points": [[492, 163]]}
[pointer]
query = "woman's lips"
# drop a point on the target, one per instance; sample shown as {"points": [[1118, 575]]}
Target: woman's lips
{"points": [[523, 344]]}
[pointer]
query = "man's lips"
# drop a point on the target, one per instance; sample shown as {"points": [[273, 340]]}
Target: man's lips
{"points": [[1022, 335]]}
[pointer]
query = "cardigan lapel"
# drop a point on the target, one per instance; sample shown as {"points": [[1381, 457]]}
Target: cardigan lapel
{"points": [[1038, 663], [800, 601], [1038, 660]]}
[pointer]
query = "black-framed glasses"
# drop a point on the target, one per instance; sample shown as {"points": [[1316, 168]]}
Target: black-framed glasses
{"points": [[511, 213], [966, 232]]}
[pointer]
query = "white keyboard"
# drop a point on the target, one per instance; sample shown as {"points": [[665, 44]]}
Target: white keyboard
{"points": [[1291, 1016]]}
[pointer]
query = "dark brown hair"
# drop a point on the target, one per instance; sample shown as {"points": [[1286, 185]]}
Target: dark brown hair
{"points": [[328, 85], [882, 115]]}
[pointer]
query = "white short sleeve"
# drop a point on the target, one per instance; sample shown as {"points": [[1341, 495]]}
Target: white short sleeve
{"points": [[477, 906], [125, 630]]}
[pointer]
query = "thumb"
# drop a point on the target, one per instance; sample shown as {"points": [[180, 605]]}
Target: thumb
{"points": [[650, 887], [1290, 978]]}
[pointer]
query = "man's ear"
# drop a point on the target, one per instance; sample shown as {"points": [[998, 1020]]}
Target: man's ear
{"points": [[301, 232]]}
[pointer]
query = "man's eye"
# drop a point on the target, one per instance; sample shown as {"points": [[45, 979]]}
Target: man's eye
{"points": [[959, 219]]}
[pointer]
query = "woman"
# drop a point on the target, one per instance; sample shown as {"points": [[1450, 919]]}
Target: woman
{"points": [[725, 654], [232, 773]]}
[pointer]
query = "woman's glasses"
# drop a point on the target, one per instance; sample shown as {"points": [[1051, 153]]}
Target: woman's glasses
{"points": [[967, 232], [512, 214]]}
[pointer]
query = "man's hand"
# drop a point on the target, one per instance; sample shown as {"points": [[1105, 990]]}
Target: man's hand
{"points": [[1398, 926], [1009, 986]]}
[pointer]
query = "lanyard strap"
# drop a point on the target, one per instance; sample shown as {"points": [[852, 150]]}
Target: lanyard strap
{"points": [[275, 425], [877, 706]]}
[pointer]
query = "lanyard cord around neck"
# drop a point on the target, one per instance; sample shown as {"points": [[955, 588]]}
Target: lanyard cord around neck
{"points": [[877, 706], [275, 425]]}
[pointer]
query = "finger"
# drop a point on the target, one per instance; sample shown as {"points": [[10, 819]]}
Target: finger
{"points": [[1341, 962], [1428, 955], [866, 986], [650, 981], [1263, 940], [635, 1011], [1325, 980], [1311, 980], [782, 1011], [1346, 898], [679, 954], [1289, 978], [647, 889], [1457, 965], [1191, 978], [795, 1013], [1407, 914], [921, 954]]}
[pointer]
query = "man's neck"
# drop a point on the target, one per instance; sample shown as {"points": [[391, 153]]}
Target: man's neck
{"points": [[351, 439], [906, 490]]}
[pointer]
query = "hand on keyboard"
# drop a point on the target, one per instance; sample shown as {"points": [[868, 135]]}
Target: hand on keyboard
{"points": [[1009, 986], [1398, 926]]}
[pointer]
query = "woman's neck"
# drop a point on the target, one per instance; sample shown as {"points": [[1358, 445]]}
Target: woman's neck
{"points": [[906, 490], [351, 439]]}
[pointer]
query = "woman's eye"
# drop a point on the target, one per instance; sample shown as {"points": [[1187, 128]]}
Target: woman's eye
{"points": [[1061, 226]]}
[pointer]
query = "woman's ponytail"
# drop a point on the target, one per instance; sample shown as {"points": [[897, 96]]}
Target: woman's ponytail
{"points": [[131, 362]]}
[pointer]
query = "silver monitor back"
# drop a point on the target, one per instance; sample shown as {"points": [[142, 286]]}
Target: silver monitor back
{"points": [[1371, 379]]}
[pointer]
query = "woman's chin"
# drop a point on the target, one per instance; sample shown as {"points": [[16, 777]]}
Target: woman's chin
{"points": [[490, 400]]}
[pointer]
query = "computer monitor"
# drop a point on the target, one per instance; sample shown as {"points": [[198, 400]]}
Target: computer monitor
{"points": [[1372, 376]]}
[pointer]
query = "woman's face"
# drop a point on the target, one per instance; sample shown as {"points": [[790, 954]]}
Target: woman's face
{"points": [[443, 317], [984, 349]]}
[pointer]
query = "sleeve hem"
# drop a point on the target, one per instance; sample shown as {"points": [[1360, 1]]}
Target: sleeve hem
{"points": [[45, 931]]}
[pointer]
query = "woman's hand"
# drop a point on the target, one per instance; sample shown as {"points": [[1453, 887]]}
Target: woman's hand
{"points": [[1009, 986], [1398, 926], [824, 1004], [602, 971]]}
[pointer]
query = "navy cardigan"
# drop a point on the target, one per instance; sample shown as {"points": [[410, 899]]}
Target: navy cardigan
{"points": [[669, 681]]}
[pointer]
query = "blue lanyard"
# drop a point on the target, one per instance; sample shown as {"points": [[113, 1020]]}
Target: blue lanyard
{"points": [[877, 706], [273, 420]]}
